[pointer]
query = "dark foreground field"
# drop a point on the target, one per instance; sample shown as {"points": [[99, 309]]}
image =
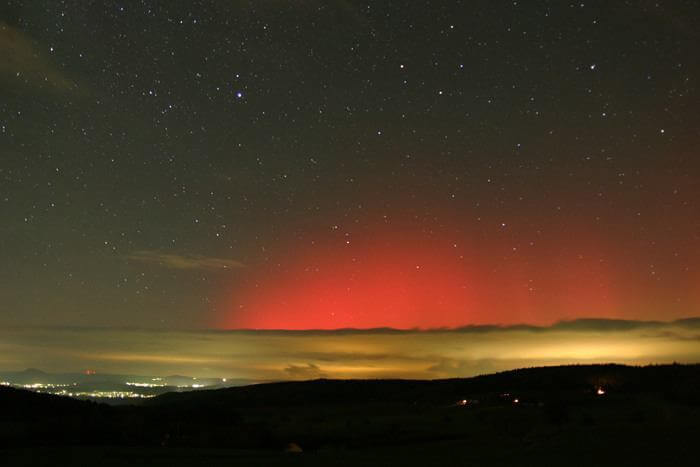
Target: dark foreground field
{"points": [[540, 416]]}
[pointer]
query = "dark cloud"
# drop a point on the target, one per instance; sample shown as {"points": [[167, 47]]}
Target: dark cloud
{"points": [[689, 322], [606, 324]]}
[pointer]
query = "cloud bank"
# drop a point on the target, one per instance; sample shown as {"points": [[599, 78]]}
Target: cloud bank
{"points": [[379, 353]]}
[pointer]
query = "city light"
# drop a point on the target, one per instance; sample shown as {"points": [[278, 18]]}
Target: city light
{"points": [[145, 385]]}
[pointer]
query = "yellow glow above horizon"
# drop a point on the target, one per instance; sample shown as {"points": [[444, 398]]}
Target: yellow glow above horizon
{"points": [[263, 356]]}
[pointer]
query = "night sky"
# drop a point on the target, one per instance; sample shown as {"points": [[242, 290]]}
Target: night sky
{"points": [[316, 165]]}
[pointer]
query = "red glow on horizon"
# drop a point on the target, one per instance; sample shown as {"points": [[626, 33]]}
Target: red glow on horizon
{"points": [[417, 280], [365, 286]]}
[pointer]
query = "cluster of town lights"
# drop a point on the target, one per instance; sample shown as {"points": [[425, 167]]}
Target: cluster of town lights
{"points": [[102, 394], [145, 385], [62, 389]]}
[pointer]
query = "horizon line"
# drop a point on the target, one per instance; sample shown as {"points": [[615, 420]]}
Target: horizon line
{"points": [[584, 323]]}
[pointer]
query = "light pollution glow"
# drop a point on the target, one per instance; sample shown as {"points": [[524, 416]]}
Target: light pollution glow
{"points": [[379, 353]]}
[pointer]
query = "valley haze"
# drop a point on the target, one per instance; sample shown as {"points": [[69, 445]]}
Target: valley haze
{"points": [[269, 355]]}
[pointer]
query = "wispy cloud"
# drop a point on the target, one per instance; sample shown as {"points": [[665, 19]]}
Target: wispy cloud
{"points": [[22, 62], [185, 262]]}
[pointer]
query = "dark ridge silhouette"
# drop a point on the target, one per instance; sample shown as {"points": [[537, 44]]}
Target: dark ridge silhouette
{"points": [[544, 380], [615, 414], [18, 403]]}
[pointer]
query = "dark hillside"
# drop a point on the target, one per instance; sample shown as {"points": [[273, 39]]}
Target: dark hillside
{"points": [[614, 414], [669, 380]]}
